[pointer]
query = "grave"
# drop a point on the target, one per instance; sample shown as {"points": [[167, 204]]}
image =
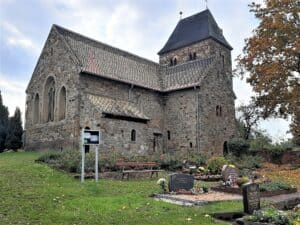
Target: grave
{"points": [[230, 174], [179, 182], [251, 197]]}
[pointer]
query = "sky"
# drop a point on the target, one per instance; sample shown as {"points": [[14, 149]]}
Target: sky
{"points": [[138, 26]]}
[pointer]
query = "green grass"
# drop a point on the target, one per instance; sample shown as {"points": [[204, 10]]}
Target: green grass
{"points": [[33, 193]]}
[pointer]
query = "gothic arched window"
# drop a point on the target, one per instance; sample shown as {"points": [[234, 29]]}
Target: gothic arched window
{"points": [[62, 103], [49, 100]]}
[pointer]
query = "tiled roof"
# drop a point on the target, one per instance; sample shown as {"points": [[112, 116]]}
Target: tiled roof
{"points": [[193, 29], [185, 75], [116, 107], [103, 60]]}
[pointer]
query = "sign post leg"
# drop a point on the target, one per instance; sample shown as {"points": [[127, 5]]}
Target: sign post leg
{"points": [[82, 157], [96, 163]]}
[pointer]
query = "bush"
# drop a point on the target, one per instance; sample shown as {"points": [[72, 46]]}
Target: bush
{"points": [[274, 186], [49, 157], [205, 188], [215, 164], [248, 162], [238, 146], [273, 216]]}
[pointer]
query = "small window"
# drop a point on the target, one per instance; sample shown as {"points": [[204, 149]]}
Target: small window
{"points": [[190, 56], [217, 110], [169, 135], [191, 145], [122, 133], [194, 55], [174, 61], [171, 62], [133, 135], [223, 61]]}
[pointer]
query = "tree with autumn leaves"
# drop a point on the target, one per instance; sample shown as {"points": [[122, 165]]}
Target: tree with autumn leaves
{"points": [[272, 59]]}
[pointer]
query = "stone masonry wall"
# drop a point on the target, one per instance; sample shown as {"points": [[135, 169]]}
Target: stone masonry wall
{"points": [[181, 117], [116, 133], [53, 62], [215, 130]]}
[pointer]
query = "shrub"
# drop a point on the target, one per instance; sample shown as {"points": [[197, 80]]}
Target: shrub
{"points": [[48, 157], [238, 146], [205, 188], [215, 164], [248, 162], [274, 186], [271, 215]]}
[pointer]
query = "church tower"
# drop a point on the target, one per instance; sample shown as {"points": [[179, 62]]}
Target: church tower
{"points": [[196, 37]]}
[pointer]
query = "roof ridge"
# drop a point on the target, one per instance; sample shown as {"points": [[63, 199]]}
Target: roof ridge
{"points": [[120, 51]]}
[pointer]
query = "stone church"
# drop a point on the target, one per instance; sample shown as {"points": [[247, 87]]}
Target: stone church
{"points": [[184, 103]]}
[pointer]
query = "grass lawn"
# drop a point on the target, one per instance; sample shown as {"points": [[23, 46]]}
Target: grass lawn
{"points": [[32, 193]]}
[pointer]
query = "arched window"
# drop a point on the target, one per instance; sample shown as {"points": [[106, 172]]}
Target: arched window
{"points": [[62, 103], [225, 148], [36, 109], [133, 135], [169, 135], [171, 62], [217, 110], [190, 56], [194, 55], [49, 100], [175, 61]]}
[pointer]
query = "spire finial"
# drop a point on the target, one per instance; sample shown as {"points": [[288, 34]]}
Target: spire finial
{"points": [[180, 13], [206, 4]]}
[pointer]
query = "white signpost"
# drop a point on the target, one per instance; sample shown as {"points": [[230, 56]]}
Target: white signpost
{"points": [[90, 137]]}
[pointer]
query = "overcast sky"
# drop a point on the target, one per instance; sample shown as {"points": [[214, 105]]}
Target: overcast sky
{"points": [[138, 26]]}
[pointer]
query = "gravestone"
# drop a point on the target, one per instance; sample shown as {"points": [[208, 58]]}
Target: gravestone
{"points": [[230, 172], [251, 197], [180, 182]]}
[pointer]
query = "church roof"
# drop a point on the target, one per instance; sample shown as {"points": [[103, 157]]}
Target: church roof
{"points": [[116, 107], [105, 61], [193, 29]]}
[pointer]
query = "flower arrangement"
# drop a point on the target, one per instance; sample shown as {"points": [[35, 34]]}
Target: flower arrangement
{"points": [[162, 182]]}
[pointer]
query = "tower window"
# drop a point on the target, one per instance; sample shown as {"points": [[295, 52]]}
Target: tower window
{"points": [[133, 135], [174, 61], [223, 61], [171, 62], [191, 145], [194, 55], [219, 110]]}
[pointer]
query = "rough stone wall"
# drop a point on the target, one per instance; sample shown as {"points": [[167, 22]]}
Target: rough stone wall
{"points": [[116, 133], [216, 90], [181, 120], [57, 63]]}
